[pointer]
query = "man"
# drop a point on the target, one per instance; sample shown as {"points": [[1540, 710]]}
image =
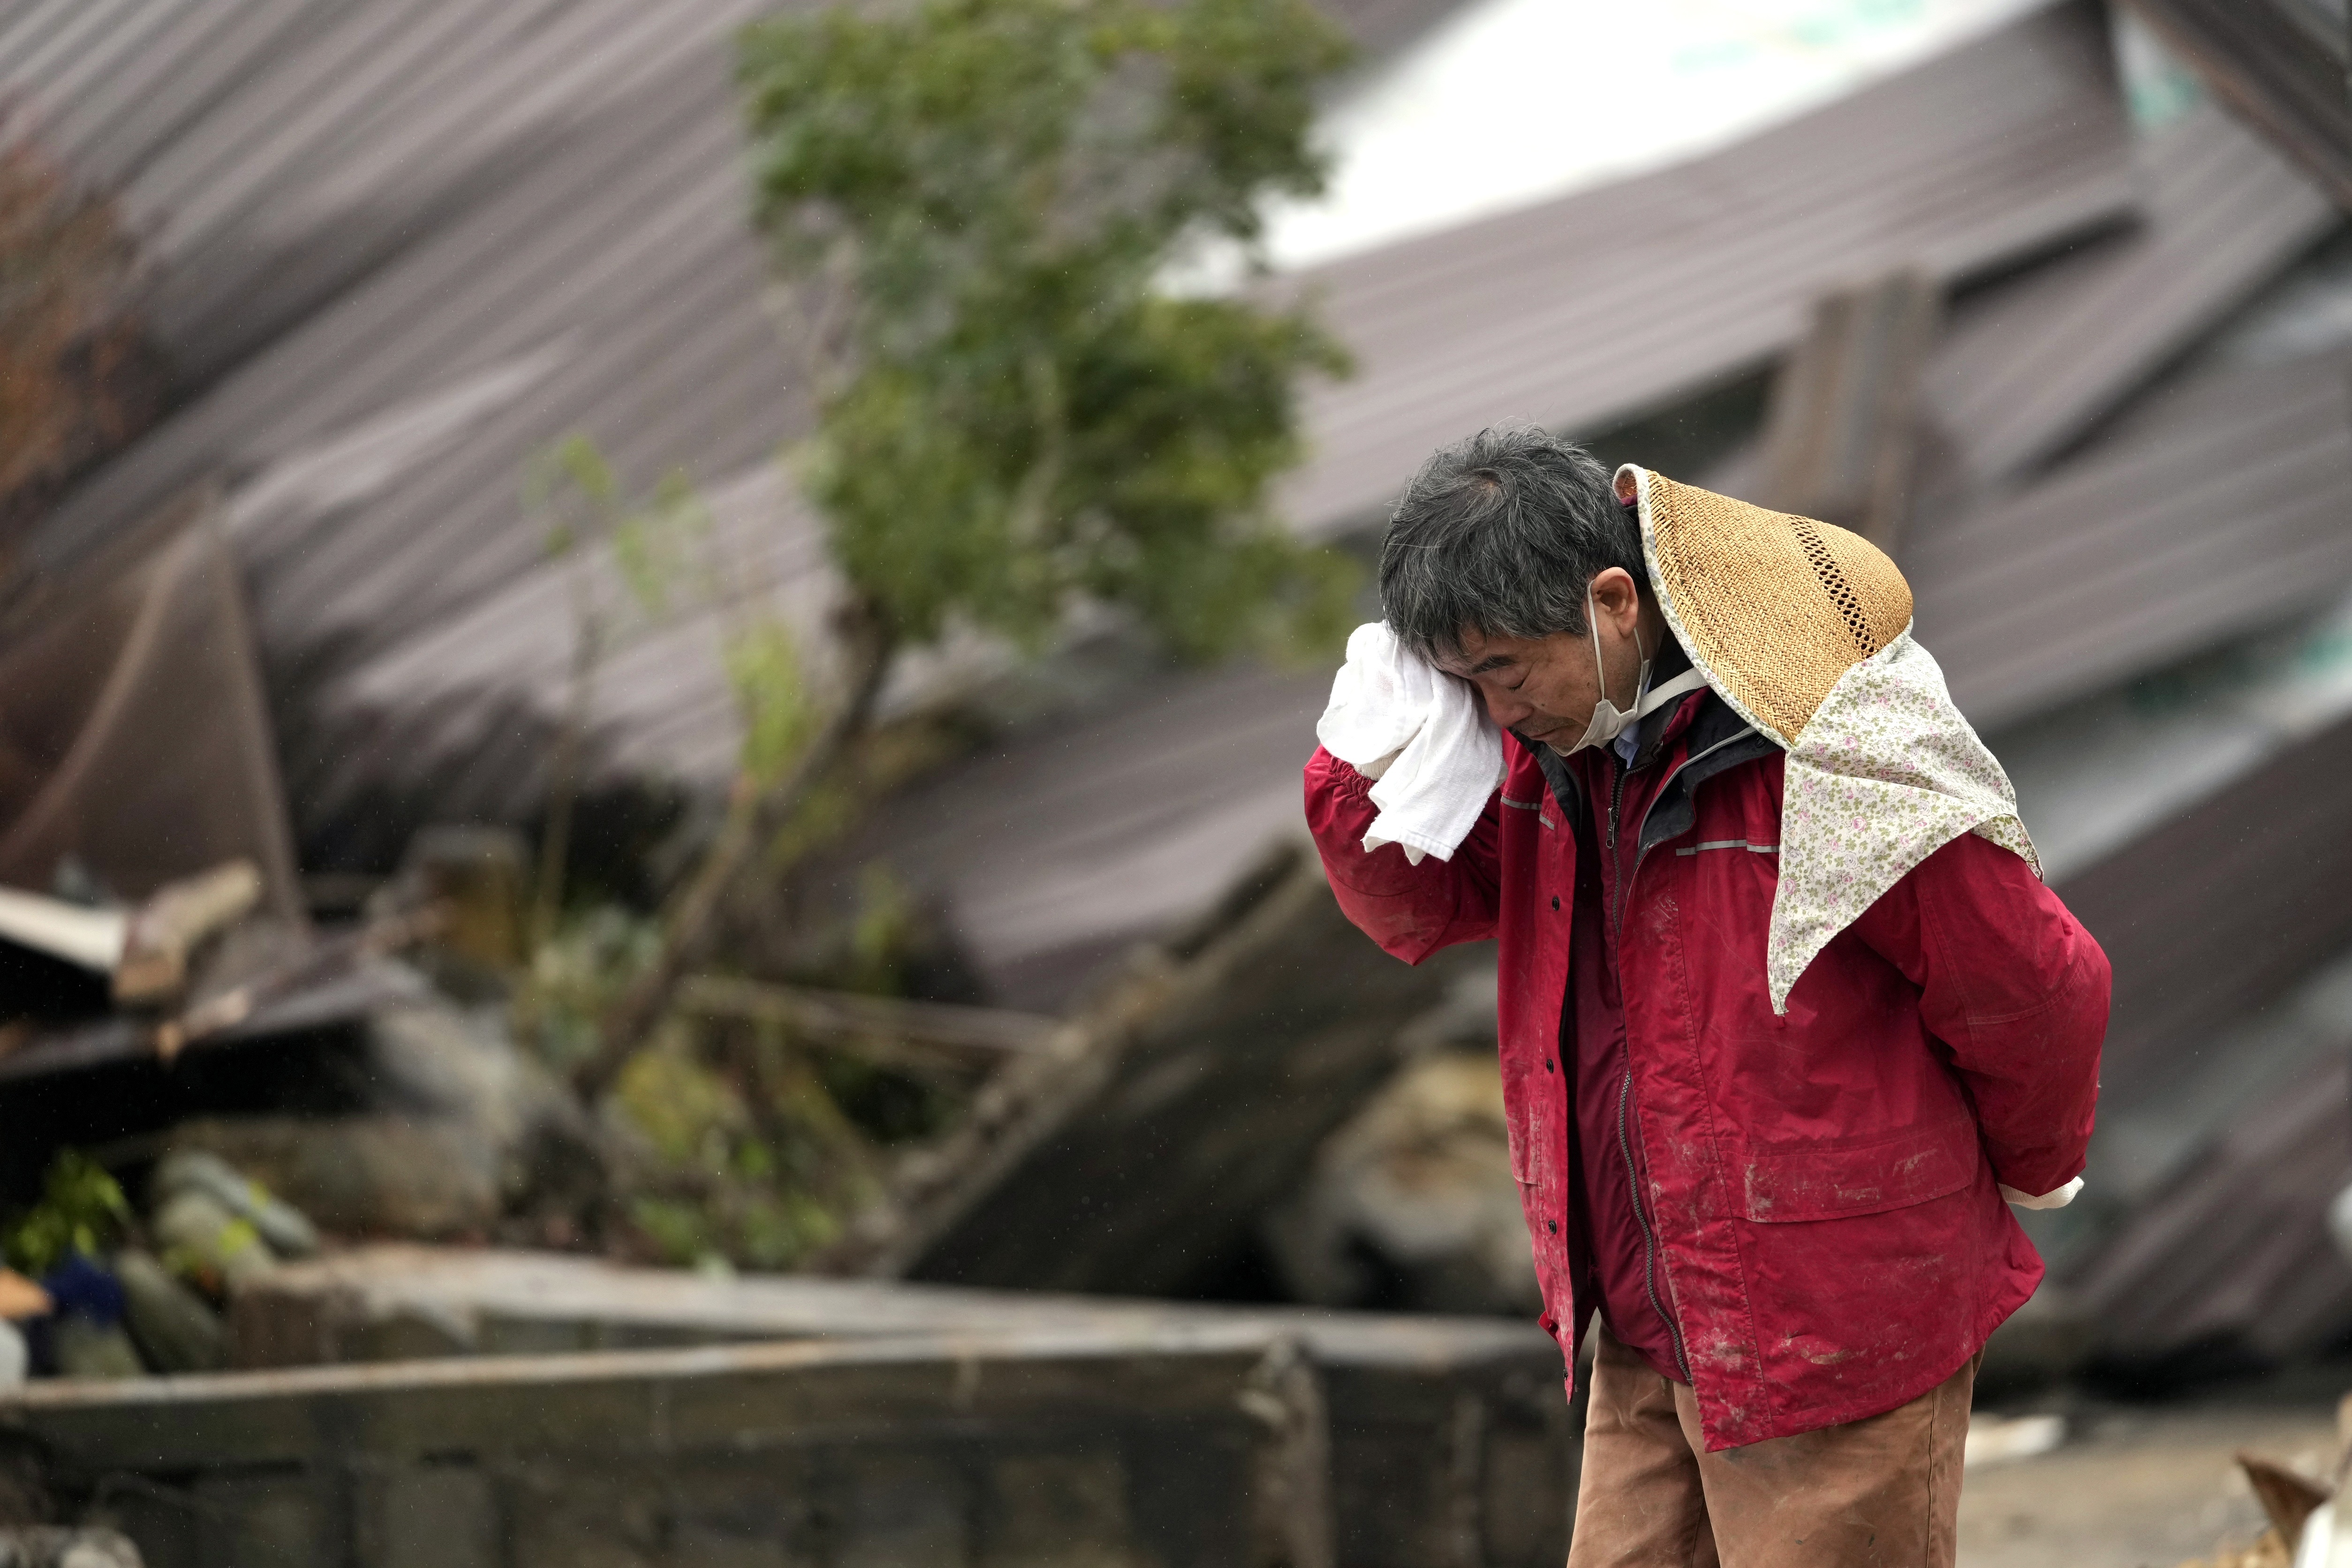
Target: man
{"points": [[1786, 1011]]}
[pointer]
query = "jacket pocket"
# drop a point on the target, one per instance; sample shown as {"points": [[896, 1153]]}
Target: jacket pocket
{"points": [[1833, 1181]]}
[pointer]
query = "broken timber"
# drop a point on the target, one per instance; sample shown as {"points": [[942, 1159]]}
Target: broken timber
{"points": [[147, 654]]}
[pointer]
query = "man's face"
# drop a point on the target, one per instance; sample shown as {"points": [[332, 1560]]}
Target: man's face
{"points": [[1545, 688]]}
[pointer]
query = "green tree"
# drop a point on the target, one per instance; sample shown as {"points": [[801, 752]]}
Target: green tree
{"points": [[974, 204]]}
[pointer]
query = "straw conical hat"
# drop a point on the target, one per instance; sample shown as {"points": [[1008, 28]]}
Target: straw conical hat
{"points": [[1771, 607]]}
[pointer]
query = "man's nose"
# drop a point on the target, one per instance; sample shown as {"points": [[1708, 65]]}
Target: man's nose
{"points": [[1505, 708]]}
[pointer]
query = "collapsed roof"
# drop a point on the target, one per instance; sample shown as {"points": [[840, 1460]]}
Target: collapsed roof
{"points": [[377, 298]]}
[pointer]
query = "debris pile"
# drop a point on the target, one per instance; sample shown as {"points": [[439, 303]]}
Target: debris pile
{"points": [[107, 1292], [2304, 1531]]}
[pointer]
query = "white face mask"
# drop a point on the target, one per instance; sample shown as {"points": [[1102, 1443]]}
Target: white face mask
{"points": [[1609, 721]]}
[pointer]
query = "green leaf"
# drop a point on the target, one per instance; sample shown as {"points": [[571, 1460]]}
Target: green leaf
{"points": [[1030, 421], [82, 1210], [777, 715]]}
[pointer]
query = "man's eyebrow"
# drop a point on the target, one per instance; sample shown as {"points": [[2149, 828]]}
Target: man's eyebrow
{"points": [[1495, 662]]}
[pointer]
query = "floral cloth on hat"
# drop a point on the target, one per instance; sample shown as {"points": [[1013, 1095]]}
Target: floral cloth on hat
{"points": [[1887, 772]]}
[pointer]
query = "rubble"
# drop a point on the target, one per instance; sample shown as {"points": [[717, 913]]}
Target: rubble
{"points": [[1140, 1150], [1999, 1441], [144, 653], [282, 1227], [172, 1327], [460, 1132], [51, 1547], [1411, 1206]]}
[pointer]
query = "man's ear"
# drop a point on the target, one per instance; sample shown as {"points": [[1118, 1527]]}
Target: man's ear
{"points": [[1616, 599]]}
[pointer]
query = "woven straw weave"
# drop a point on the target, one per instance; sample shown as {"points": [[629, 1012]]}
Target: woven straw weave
{"points": [[1774, 608]]}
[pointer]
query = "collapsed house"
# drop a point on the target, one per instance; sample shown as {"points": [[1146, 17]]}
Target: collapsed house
{"points": [[2081, 367]]}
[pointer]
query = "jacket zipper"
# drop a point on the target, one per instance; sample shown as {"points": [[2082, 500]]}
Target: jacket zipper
{"points": [[1642, 1218], [1625, 1097], [1618, 894]]}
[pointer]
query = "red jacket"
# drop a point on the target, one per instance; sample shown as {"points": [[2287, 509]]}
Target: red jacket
{"points": [[1821, 1185]]}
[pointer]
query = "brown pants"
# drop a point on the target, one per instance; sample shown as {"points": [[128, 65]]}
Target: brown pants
{"points": [[1884, 1492]]}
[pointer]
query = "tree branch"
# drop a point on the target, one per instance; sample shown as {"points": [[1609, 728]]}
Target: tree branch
{"points": [[753, 820]]}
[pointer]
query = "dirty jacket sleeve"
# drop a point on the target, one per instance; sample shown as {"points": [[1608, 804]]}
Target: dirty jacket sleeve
{"points": [[1410, 911], [2015, 988]]}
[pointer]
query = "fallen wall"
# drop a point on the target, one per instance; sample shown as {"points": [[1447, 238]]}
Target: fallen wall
{"points": [[1190, 1447], [1451, 1444]]}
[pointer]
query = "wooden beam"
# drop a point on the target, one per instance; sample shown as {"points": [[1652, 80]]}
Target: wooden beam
{"points": [[170, 926], [2283, 71], [1139, 1150], [1843, 423]]}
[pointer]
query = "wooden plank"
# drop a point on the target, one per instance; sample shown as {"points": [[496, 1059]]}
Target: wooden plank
{"points": [[1842, 425], [1141, 1151], [2285, 78]]}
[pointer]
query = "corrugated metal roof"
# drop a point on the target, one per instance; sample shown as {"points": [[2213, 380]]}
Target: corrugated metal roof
{"points": [[2282, 66], [2237, 1252], [487, 248], [2026, 369], [2219, 511], [1614, 301], [283, 153], [2209, 916], [1066, 843]]}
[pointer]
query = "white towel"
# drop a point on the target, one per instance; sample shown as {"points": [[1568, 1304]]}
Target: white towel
{"points": [[1422, 735]]}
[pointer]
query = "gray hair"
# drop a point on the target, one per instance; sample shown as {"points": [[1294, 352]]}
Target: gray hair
{"points": [[1500, 534]]}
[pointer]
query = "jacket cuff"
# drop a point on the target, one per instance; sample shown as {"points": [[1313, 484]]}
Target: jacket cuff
{"points": [[1349, 784], [2058, 1199]]}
